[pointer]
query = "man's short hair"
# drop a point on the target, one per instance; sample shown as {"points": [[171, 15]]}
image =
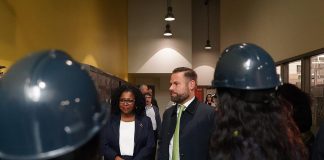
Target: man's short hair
{"points": [[147, 94], [144, 85], [188, 73]]}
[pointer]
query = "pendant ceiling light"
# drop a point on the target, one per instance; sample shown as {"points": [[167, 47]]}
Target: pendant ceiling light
{"points": [[169, 16], [207, 46], [167, 31]]}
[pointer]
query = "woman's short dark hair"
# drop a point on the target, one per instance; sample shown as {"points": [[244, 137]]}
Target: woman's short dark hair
{"points": [[139, 99], [253, 125]]}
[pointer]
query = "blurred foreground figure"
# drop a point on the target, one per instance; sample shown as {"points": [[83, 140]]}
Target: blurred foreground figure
{"points": [[318, 147], [252, 124], [49, 110], [299, 103]]}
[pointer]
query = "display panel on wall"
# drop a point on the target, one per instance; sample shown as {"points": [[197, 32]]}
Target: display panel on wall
{"points": [[105, 83]]}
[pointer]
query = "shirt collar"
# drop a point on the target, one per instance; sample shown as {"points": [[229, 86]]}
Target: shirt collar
{"points": [[147, 107], [188, 103]]}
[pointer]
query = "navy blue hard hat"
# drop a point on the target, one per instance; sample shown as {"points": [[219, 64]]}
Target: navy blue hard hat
{"points": [[48, 107], [245, 66]]}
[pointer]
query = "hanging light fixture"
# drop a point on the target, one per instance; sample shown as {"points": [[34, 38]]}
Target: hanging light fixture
{"points": [[207, 46], [167, 31], [169, 16]]}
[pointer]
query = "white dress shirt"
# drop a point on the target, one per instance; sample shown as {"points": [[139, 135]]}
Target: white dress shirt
{"points": [[126, 138]]}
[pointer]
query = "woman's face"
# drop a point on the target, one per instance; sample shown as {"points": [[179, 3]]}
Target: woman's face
{"points": [[209, 98], [127, 103]]}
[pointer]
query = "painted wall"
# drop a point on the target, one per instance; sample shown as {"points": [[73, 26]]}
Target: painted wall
{"points": [[284, 28], [161, 83], [151, 55], [149, 51], [7, 34], [92, 31], [204, 61]]}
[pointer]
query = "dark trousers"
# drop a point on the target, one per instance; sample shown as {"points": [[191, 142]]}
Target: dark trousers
{"points": [[154, 150]]}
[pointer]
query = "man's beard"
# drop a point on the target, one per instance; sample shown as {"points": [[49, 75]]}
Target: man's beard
{"points": [[179, 98]]}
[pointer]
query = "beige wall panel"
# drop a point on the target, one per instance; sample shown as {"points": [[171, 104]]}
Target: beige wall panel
{"points": [[285, 28]]}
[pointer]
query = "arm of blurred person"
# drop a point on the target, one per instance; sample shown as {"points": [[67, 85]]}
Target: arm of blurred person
{"points": [[318, 148]]}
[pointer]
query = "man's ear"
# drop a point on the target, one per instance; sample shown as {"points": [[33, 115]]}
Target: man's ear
{"points": [[192, 84]]}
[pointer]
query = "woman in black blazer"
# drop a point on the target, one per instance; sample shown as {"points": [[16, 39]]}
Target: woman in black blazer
{"points": [[128, 134]]}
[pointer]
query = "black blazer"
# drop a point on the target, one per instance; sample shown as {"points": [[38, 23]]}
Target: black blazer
{"points": [[196, 126], [157, 118], [144, 138]]}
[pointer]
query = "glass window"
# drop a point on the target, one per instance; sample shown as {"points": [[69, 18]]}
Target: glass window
{"points": [[317, 88], [317, 70], [294, 74]]}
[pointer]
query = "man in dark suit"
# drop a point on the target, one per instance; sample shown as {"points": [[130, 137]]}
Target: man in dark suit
{"points": [[144, 88], [153, 113], [186, 137]]}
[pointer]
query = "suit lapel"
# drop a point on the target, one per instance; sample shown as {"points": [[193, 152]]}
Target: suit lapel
{"points": [[138, 130], [173, 121], [188, 114], [191, 109], [115, 126]]}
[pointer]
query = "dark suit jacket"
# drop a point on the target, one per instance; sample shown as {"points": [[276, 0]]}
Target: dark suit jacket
{"points": [[157, 118], [144, 138], [196, 126], [154, 102]]}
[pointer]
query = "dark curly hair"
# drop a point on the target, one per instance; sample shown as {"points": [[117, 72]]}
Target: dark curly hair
{"points": [[139, 99], [253, 125], [301, 105]]}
